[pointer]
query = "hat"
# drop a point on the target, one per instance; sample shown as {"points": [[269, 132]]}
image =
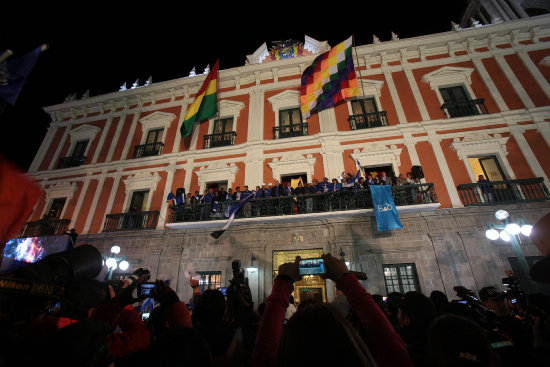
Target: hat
{"points": [[263, 183], [270, 184], [490, 293]]}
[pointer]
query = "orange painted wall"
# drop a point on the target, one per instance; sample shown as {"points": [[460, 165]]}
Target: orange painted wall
{"points": [[122, 137], [429, 165], [342, 116], [406, 97], [503, 84], [119, 197], [239, 176], [517, 160], [108, 140], [158, 195], [39, 208], [179, 179], [540, 149], [51, 149], [405, 160], [85, 208], [526, 79], [456, 166], [242, 120], [136, 140], [537, 56], [99, 214], [428, 95], [203, 130]]}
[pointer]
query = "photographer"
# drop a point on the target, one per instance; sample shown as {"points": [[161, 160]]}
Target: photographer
{"points": [[319, 326]]}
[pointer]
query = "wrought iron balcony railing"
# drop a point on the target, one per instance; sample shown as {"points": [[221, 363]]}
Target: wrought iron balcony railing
{"points": [[289, 131], [464, 108], [301, 204], [68, 162], [368, 120], [503, 192], [148, 150], [131, 221], [219, 140], [45, 227]]}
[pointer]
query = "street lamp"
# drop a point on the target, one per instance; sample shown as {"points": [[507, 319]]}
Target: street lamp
{"points": [[510, 231], [113, 261]]}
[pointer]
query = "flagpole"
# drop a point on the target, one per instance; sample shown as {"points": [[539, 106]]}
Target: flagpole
{"points": [[358, 67], [218, 89], [5, 55]]}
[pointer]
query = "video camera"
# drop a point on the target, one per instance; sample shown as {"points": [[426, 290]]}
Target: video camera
{"points": [[486, 317], [239, 297]]}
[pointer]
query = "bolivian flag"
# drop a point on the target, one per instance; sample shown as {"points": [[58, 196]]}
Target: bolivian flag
{"points": [[205, 103]]}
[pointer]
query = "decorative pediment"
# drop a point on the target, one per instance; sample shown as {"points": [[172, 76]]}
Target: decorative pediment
{"points": [[448, 75], [157, 120], [286, 99], [477, 143], [292, 163], [142, 181], [84, 132], [230, 108], [378, 155], [370, 87], [63, 189], [215, 172], [545, 61]]}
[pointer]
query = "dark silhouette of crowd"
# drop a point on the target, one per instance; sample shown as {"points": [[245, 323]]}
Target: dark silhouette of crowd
{"points": [[98, 323]]}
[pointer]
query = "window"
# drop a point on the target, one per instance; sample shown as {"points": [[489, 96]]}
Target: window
{"points": [[222, 134], [364, 114], [401, 278], [77, 157], [56, 208], [458, 103], [363, 106], [210, 280], [487, 166], [138, 203], [80, 148], [154, 136], [290, 123]]}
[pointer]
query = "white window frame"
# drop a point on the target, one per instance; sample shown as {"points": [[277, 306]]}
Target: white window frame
{"points": [[60, 190], [140, 182], [228, 108], [450, 76], [285, 100], [155, 121], [82, 133], [368, 89], [293, 163]]}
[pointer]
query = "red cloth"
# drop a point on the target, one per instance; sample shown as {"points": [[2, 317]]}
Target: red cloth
{"points": [[18, 196], [178, 314], [134, 335], [388, 345]]}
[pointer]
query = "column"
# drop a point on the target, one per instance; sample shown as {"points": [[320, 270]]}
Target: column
{"points": [[524, 56], [55, 157], [254, 173], [114, 142], [184, 105], [129, 138], [333, 161], [83, 192], [445, 171], [393, 91], [489, 83], [327, 120], [256, 115], [95, 200], [416, 92], [517, 133], [515, 81], [39, 157], [111, 200], [413, 154], [167, 188], [102, 139]]}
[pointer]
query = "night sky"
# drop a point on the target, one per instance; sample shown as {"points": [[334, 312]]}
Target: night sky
{"points": [[98, 47]]}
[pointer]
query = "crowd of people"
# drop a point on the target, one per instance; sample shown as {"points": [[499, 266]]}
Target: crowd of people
{"points": [[98, 323], [346, 181]]}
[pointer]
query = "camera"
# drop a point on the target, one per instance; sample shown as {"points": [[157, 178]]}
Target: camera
{"points": [[314, 266], [146, 289]]}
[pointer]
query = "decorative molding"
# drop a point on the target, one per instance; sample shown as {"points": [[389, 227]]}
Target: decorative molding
{"points": [[448, 75], [287, 99], [64, 189], [293, 163], [371, 87], [378, 154], [142, 181], [157, 120], [217, 171], [84, 132], [545, 61]]}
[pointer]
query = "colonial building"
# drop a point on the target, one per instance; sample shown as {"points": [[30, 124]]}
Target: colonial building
{"points": [[447, 107]]}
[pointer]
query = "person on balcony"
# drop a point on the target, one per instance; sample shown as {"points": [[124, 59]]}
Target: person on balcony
{"points": [[337, 186], [237, 194], [386, 180], [369, 180], [485, 187], [401, 181], [325, 185]]}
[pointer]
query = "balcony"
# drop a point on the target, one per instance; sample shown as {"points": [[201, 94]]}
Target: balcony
{"points": [[219, 140], [368, 120], [295, 205], [289, 131], [68, 162], [464, 108], [503, 192], [45, 227], [131, 221], [148, 150]]}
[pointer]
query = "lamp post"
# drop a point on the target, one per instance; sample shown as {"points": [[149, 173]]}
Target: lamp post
{"points": [[510, 231], [113, 261], [252, 268]]}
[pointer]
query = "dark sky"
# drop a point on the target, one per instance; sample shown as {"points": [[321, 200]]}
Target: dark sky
{"points": [[98, 47]]}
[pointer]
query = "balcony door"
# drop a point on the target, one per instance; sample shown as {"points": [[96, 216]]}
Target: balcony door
{"points": [[456, 101], [221, 133], [56, 208], [80, 148], [488, 166], [138, 202], [290, 122], [363, 106]]}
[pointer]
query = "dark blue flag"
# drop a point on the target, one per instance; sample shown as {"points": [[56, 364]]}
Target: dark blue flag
{"points": [[232, 214], [15, 72], [384, 208]]}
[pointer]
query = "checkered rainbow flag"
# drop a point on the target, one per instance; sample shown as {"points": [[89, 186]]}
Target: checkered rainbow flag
{"points": [[329, 80]]}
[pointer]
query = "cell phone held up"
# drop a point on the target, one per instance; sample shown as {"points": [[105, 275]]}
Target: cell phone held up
{"points": [[145, 290], [314, 266]]}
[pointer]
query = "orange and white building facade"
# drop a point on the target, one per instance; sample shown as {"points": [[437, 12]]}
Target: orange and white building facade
{"points": [[507, 65]]}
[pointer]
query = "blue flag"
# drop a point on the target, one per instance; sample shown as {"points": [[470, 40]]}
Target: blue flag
{"points": [[170, 197], [358, 171], [232, 214], [384, 208], [14, 74]]}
